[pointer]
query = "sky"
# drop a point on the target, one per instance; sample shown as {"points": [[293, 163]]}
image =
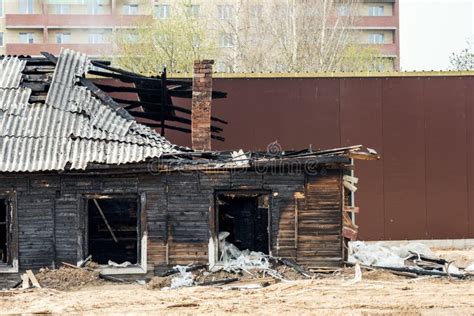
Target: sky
{"points": [[431, 30]]}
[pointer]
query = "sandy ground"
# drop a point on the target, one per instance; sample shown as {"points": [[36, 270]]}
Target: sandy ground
{"points": [[461, 258], [379, 293], [325, 296]]}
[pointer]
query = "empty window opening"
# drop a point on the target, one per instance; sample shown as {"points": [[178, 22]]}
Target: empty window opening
{"points": [[3, 232], [246, 218], [113, 229]]}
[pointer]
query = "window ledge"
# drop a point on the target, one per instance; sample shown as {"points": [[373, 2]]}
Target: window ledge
{"points": [[9, 268], [107, 270]]}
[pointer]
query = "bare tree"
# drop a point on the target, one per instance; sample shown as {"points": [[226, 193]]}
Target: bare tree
{"points": [[254, 36], [297, 36], [463, 60]]}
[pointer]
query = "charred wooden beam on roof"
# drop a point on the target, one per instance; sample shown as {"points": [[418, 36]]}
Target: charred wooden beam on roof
{"points": [[155, 115], [153, 106], [182, 129], [39, 71], [184, 89], [36, 86], [149, 91]]}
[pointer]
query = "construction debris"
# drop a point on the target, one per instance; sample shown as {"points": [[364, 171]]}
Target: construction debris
{"points": [[184, 278], [410, 260], [235, 260], [237, 269], [68, 278], [27, 278], [382, 255], [470, 268]]}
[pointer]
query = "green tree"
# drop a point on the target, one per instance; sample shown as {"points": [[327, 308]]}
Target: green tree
{"points": [[173, 41]]}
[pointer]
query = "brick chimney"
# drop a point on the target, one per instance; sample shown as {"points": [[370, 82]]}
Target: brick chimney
{"points": [[201, 105]]}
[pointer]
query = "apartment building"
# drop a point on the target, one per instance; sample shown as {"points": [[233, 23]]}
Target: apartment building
{"points": [[28, 27], [379, 24]]}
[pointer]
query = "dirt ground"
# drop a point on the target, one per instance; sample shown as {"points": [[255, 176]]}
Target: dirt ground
{"points": [[379, 293]]}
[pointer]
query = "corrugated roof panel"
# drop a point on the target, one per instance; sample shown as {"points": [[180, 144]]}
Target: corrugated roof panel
{"points": [[21, 154], [40, 120], [32, 154], [73, 127], [14, 101], [64, 94], [10, 72]]}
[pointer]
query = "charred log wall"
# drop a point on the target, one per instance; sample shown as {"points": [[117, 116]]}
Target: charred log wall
{"points": [[305, 220]]}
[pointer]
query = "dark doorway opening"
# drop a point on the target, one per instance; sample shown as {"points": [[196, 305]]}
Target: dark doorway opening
{"points": [[113, 229], [245, 216], [3, 231]]}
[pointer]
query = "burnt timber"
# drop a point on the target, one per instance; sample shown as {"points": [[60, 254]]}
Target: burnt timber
{"points": [[149, 99]]}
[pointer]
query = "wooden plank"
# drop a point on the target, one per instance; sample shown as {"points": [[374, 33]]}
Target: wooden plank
{"points": [[25, 281], [33, 279], [105, 220], [351, 209]]}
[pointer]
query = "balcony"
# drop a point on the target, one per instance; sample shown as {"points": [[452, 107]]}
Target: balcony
{"points": [[72, 20], [374, 22], [36, 49], [388, 49]]}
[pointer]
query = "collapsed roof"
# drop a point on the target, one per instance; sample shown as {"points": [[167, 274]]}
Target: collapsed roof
{"points": [[78, 125], [72, 128]]}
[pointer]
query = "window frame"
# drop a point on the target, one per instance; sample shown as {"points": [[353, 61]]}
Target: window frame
{"points": [[225, 11], [129, 6], [142, 238], [373, 36], [29, 9], [96, 8], [28, 39], [377, 10], [195, 10], [12, 266], [2, 8], [92, 36], [162, 15], [226, 40], [61, 35], [59, 9]]}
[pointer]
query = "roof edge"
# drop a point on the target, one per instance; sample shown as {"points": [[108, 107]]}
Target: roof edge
{"points": [[365, 74]]}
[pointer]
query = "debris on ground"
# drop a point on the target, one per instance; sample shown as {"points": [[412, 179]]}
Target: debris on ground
{"points": [[184, 278], [470, 268], [235, 260], [119, 265], [237, 269], [68, 278], [28, 280], [252, 270], [409, 260], [157, 283]]}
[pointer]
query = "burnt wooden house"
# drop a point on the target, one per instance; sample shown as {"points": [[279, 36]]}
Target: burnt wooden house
{"points": [[80, 176]]}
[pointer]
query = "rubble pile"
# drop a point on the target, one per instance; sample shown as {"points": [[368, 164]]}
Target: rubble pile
{"points": [[236, 269], [67, 278]]}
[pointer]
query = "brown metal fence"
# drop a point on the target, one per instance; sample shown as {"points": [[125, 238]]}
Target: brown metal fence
{"points": [[422, 188]]}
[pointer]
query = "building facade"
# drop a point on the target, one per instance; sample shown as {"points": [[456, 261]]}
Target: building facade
{"points": [[28, 27], [81, 178]]}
